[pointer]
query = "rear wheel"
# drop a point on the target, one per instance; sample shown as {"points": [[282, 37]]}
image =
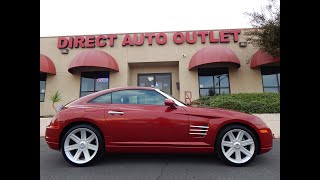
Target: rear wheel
{"points": [[82, 145], [236, 145]]}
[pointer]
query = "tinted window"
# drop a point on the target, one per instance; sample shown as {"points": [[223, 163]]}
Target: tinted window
{"points": [[137, 97], [271, 78], [213, 81], [43, 78], [93, 81], [103, 99]]}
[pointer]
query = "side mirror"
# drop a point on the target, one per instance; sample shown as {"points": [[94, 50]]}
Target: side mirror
{"points": [[170, 103]]}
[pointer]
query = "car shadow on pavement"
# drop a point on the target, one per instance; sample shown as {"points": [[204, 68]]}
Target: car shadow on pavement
{"points": [[139, 158]]}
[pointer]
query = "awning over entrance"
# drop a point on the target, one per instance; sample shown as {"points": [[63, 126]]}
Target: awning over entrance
{"points": [[93, 60], [46, 65], [216, 54], [262, 58]]}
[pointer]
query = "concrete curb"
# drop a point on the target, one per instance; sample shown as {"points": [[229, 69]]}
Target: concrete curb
{"points": [[272, 120]]}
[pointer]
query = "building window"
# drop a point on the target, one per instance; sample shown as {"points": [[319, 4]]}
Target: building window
{"points": [[213, 81], [271, 78], [43, 78], [93, 81], [159, 81]]}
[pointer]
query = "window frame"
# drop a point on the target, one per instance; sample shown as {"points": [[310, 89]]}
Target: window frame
{"points": [[45, 85], [94, 85], [214, 86], [277, 78], [154, 77]]}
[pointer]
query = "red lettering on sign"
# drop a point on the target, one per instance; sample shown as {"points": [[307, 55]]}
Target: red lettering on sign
{"points": [[161, 38], [211, 37], [194, 38], [62, 42], [150, 36], [235, 35], [224, 36], [90, 41], [79, 40], [158, 38], [71, 42], [178, 38], [203, 36], [135, 39], [112, 37], [98, 41], [127, 40]]}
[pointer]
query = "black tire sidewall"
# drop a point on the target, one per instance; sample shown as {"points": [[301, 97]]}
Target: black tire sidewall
{"points": [[100, 148], [218, 149]]}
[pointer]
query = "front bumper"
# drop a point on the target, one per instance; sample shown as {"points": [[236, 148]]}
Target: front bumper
{"points": [[52, 136], [266, 138]]}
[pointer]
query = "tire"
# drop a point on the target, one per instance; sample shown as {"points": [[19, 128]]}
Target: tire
{"points": [[229, 150], [78, 151]]}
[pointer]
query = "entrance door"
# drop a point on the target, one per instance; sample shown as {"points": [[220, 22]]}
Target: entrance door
{"points": [[160, 81]]}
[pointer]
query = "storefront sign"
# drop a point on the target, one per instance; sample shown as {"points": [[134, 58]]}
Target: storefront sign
{"points": [[102, 80], [148, 38]]}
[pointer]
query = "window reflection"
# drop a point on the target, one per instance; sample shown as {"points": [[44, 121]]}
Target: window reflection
{"points": [[93, 81], [213, 81], [271, 78], [149, 97], [43, 78], [159, 81]]}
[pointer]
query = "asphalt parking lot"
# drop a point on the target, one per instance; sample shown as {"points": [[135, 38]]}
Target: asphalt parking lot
{"points": [[158, 166]]}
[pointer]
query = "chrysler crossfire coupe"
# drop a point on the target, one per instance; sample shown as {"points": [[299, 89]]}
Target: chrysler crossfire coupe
{"points": [[147, 120]]}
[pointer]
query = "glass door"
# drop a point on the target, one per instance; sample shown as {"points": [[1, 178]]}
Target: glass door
{"points": [[160, 81]]}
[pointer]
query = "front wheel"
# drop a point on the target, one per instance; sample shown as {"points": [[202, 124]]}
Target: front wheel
{"points": [[82, 145], [236, 145]]}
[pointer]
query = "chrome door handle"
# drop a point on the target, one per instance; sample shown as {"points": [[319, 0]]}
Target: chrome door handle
{"points": [[115, 112]]}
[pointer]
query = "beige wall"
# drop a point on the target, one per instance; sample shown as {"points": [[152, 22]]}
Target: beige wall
{"points": [[128, 58]]}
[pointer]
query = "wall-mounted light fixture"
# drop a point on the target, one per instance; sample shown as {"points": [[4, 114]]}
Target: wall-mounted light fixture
{"points": [[178, 85], [64, 51], [243, 44]]}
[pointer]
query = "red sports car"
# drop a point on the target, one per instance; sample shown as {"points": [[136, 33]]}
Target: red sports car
{"points": [[141, 119]]}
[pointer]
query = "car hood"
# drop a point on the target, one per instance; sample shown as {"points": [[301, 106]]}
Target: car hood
{"points": [[221, 113]]}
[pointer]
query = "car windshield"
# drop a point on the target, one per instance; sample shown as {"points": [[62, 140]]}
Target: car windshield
{"points": [[173, 97]]}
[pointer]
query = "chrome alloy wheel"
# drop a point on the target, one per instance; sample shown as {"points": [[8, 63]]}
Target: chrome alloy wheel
{"points": [[81, 145], [238, 146]]}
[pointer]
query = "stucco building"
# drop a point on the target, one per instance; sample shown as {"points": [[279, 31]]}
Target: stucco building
{"points": [[186, 64]]}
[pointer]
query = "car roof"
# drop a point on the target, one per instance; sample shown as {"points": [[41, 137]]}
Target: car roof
{"points": [[84, 99], [129, 87]]}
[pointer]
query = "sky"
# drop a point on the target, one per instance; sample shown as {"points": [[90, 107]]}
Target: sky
{"points": [[86, 17]]}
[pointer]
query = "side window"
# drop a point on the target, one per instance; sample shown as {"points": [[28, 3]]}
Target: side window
{"points": [[149, 97], [103, 99]]}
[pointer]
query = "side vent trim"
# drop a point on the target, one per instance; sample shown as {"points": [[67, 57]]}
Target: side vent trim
{"points": [[198, 130]]}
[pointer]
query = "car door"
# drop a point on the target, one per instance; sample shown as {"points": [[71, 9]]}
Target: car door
{"points": [[140, 118]]}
